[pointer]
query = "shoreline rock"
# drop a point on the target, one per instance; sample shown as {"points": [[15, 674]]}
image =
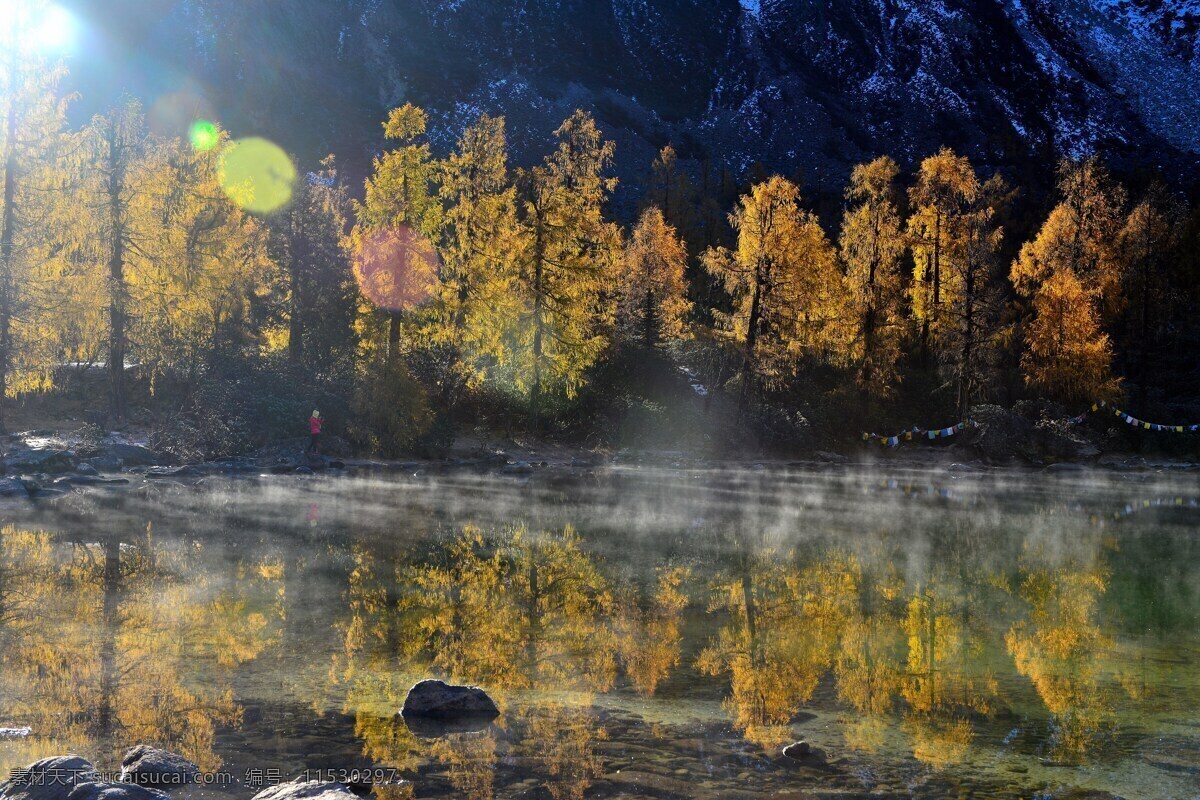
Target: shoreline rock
{"points": [[306, 790], [50, 778], [151, 766], [103, 790]]}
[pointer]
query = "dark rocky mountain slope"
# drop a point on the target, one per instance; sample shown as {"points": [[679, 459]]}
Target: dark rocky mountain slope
{"points": [[802, 86]]}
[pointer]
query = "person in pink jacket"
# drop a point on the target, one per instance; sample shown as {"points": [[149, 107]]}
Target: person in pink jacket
{"points": [[314, 431]]}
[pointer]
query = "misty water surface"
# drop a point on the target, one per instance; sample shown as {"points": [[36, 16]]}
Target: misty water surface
{"points": [[645, 632]]}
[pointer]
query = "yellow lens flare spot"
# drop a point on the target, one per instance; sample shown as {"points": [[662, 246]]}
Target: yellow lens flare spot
{"points": [[203, 135], [396, 268], [258, 175]]}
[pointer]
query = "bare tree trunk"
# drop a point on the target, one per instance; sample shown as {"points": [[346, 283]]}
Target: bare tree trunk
{"points": [[7, 279], [117, 290], [535, 390], [393, 350], [295, 311], [748, 377]]}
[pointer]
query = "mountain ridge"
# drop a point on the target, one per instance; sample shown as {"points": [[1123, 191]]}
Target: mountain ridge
{"points": [[797, 85]]}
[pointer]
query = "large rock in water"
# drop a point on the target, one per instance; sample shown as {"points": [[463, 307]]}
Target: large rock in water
{"points": [[150, 766], [11, 487], [103, 790], [307, 790], [49, 779], [50, 460], [131, 455], [433, 699]]}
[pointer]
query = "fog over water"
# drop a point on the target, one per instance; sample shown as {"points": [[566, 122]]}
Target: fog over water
{"points": [[645, 632]]}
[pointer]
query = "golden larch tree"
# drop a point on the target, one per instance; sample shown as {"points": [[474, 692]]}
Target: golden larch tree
{"points": [[34, 173], [1069, 356], [480, 243], [566, 257], [122, 190], [1081, 234], [652, 303], [946, 185], [789, 296], [397, 222], [1074, 275], [872, 246], [191, 294]]}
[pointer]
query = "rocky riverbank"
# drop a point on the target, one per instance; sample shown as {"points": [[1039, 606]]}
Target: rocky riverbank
{"points": [[147, 773], [43, 464]]}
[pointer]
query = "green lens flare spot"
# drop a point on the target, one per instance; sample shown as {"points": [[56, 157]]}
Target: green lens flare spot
{"points": [[258, 175], [203, 135]]}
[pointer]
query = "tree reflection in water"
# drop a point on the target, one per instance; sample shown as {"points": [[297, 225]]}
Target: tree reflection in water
{"points": [[1061, 648], [921, 645], [527, 615], [101, 642], [781, 636]]}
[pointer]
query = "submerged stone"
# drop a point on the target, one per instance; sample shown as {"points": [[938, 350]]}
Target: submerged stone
{"points": [[131, 455], [51, 460], [434, 699], [803, 754]]}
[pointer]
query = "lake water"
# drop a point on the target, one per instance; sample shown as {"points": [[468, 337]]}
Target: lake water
{"points": [[645, 632]]}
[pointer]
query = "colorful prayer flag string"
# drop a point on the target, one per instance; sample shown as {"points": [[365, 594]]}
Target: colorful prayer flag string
{"points": [[918, 433], [1133, 421]]}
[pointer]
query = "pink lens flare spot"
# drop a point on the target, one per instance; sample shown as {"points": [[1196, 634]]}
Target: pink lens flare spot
{"points": [[396, 268]]}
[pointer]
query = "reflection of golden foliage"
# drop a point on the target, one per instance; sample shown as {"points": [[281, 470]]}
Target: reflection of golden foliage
{"points": [[941, 674], [386, 738], [559, 741], [510, 610], [943, 680], [470, 762], [782, 637], [650, 639], [397, 791], [936, 741], [867, 673], [99, 649], [513, 610], [1059, 648], [867, 734]]}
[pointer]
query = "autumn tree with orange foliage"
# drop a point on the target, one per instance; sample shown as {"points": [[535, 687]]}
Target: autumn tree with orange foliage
{"points": [[872, 245], [394, 258], [480, 243], [1073, 272], [652, 303], [946, 186], [789, 299], [1081, 234], [564, 262], [1069, 357]]}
